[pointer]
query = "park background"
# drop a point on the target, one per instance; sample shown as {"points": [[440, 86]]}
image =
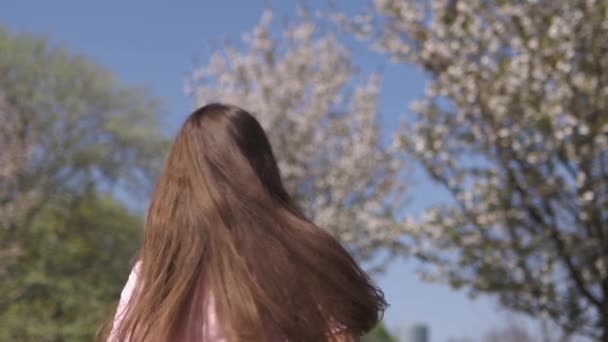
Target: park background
{"points": [[161, 47]]}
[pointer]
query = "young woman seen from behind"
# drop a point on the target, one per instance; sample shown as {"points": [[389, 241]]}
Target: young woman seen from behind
{"points": [[228, 256]]}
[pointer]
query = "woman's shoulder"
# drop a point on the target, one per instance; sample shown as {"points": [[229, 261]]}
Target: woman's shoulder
{"points": [[131, 281], [135, 269]]}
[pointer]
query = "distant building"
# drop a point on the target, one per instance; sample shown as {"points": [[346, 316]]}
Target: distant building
{"points": [[414, 333]]}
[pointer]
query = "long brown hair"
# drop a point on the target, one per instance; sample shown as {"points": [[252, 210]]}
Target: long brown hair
{"points": [[221, 227]]}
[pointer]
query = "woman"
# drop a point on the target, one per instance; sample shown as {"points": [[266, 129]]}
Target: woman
{"points": [[228, 256]]}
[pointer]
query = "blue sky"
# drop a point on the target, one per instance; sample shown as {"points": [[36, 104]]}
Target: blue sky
{"points": [[154, 43]]}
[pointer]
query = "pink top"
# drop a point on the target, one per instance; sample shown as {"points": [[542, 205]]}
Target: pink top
{"points": [[210, 327]]}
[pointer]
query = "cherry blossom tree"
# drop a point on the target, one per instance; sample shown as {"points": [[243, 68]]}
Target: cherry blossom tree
{"points": [[324, 131], [514, 124]]}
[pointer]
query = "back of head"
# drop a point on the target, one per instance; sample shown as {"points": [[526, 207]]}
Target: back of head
{"points": [[221, 227]]}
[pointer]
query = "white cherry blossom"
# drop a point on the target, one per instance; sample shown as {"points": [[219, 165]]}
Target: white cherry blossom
{"points": [[324, 131], [513, 124]]}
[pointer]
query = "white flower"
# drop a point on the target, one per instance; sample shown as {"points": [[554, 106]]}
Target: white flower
{"points": [[512, 123], [326, 139]]}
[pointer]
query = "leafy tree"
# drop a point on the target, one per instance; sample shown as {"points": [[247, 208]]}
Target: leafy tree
{"points": [[66, 127], [511, 332], [76, 255], [514, 124], [324, 131], [379, 334]]}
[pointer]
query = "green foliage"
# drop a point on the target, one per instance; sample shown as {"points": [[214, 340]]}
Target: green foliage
{"points": [[76, 260], [379, 334], [83, 118], [66, 127]]}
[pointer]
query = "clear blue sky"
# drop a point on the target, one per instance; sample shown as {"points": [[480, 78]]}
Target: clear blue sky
{"points": [[153, 43]]}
